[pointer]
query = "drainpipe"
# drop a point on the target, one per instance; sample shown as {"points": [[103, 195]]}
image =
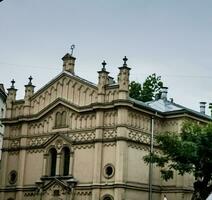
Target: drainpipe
{"points": [[151, 151]]}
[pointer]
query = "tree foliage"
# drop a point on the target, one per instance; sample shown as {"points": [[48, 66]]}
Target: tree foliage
{"points": [[148, 90], [187, 152]]}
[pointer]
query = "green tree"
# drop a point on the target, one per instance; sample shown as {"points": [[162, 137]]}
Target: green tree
{"points": [[148, 91], [187, 152]]}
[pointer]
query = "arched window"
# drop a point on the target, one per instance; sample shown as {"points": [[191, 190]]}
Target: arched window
{"points": [[60, 119], [52, 163], [63, 119], [107, 197], [65, 161]]}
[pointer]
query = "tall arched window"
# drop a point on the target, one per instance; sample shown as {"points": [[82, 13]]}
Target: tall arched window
{"points": [[60, 119], [66, 161], [53, 159], [63, 119]]}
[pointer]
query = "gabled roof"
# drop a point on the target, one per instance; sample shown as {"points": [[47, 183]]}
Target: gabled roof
{"points": [[64, 73]]}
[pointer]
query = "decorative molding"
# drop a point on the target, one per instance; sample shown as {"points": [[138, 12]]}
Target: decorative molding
{"points": [[110, 144], [83, 193], [138, 146], [81, 137], [35, 150], [139, 137], [29, 194], [84, 146], [14, 144]]}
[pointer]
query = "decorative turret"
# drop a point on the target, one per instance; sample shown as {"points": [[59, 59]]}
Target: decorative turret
{"points": [[12, 92], [69, 61], [29, 89], [10, 99], [103, 81], [123, 80]]}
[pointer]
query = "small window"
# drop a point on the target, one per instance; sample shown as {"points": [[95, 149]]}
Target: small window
{"points": [[109, 171], [13, 177]]}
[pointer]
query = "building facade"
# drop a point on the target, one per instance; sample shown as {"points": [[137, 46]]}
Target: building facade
{"points": [[3, 97], [75, 140]]}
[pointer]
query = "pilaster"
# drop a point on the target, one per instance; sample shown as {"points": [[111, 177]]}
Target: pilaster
{"points": [[98, 155]]}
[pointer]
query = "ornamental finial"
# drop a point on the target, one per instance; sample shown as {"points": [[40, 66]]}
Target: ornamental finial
{"points": [[30, 80], [125, 59], [13, 84], [104, 64], [72, 49]]}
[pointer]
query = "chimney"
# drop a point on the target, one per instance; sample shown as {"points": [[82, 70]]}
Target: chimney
{"points": [[164, 91], [202, 107], [68, 63]]}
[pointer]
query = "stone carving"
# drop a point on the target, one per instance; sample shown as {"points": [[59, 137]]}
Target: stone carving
{"points": [[108, 134], [37, 141], [139, 146], [14, 144], [59, 144], [110, 118], [110, 144], [35, 150], [84, 146], [81, 137], [139, 137], [83, 194]]}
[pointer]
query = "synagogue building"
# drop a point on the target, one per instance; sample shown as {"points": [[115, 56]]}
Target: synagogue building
{"points": [[76, 140]]}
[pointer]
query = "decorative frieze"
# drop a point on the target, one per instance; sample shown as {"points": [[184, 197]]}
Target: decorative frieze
{"points": [[14, 144], [139, 137], [138, 146], [83, 146], [110, 133], [110, 118], [37, 141], [110, 144], [82, 136]]}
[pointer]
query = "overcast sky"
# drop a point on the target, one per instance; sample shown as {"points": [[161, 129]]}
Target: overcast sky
{"points": [[172, 38]]}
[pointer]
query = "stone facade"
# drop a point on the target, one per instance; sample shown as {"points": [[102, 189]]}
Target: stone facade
{"points": [[74, 140], [3, 97]]}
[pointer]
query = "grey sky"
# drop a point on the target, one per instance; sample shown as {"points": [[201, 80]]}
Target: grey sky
{"points": [[169, 37]]}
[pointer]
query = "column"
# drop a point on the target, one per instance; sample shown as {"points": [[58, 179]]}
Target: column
{"points": [[98, 156], [71, 164], [58, 164], [44, 170]]}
